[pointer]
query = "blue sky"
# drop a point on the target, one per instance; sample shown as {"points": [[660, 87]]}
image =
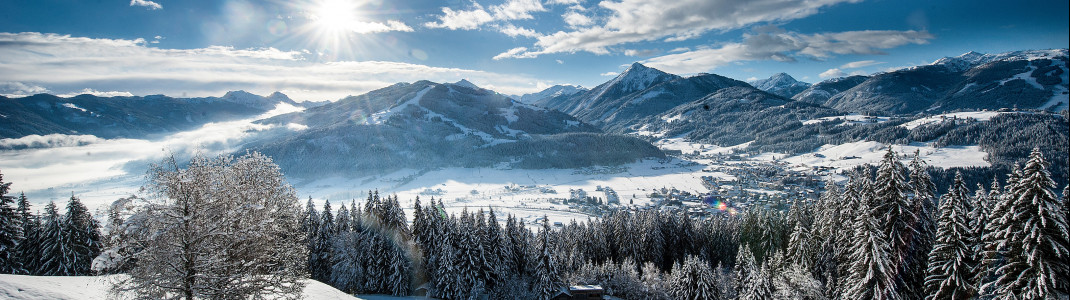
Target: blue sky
{"points": [[326, 49]]}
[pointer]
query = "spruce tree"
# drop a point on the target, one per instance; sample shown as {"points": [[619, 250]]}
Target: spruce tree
{"points": [[952, 261], [1033, 235], [310, 225], [547, 276], [321, 264], [872, 271], [900, 224], [81, 238], [30, 247], [11, 234], [921, 241], [693, 280], [51, 260]]}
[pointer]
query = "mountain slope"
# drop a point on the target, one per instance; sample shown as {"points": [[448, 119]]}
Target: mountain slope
{"points": [[1024, 79], [617, 105], [781, 84], [426, 125], [131, 117], [820, 92], [550, 92]]}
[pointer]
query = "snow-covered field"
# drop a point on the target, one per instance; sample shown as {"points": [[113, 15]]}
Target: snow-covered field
{"points": [[22, 287], [979, 115], [851, 119], [859, 153]]}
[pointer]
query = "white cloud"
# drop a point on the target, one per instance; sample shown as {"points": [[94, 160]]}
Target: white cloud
{"points": [[35, 62], [646, 52], [563, 2], [376, 27], [633, 21], [477, 16], [860, 64], [514, 31], [560, 62], [146, 3], [97, 93], [832, 73], [463, 19], [609, 74], [13, 89], [511, 53], [575, 19], [775, 44]]}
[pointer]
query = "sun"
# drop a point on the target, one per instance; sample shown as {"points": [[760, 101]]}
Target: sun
{"points": [[336, 15]]}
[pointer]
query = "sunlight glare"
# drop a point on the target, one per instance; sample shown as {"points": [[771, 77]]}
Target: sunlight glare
{"points": [[336, 15]]}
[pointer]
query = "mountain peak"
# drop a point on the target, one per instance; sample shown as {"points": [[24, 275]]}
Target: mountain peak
{"points": [[466, 83], [781, 84]]}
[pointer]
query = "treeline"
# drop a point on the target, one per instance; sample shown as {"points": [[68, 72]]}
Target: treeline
{"points": [[883, 235], [47, 244]]}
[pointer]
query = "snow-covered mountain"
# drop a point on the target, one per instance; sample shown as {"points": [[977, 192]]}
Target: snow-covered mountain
{"points": [[820, 92], [1023, 79], [635, 94], [427, 124], [781, 84], [131, 117], [550, 92]]}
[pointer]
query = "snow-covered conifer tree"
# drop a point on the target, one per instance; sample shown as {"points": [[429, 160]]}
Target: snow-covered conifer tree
{"points": [[693, 279], [952, 261], [900, 223], [872, 271], [11, 234], [81, 239], [30, 246], [547, 276], [1033, 235]]}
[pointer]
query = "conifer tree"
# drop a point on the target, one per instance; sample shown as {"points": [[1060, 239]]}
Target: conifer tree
{"points": [[310, 225], [952, 261], [871, 274], [693, 279], [322, 250], [547, 276], [896, 214], [921, 240], [51, 261], [1033, 235], [81, 238], [11, 234], [30, 247]]}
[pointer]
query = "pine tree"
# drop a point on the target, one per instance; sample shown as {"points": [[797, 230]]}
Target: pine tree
{"points": [[952, 261], [693, 279], [1033, 234], [11, 234], [310, 226], [80, 237], [547, 275], [871, 274], [991, 249], [922, 239], [752, 280], [896, 213], [800, 244], [30, 247], [322, 251], [50, 261]]}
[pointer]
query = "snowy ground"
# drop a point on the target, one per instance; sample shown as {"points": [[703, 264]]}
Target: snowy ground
{"points": [[979, 115], [858, 153], [21, 287]]}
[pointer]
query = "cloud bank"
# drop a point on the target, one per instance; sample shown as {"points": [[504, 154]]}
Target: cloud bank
{"points": [[61, 64], [779, 45]]}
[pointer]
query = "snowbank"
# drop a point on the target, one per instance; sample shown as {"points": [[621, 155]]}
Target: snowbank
{"points": [[18, 287]]}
